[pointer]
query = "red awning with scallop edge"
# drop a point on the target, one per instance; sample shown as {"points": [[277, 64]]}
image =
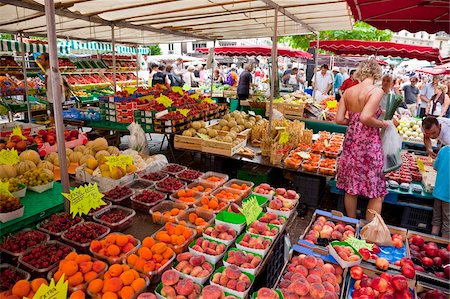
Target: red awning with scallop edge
{"points": [[412, 15], [358, 47], [256, 51]]}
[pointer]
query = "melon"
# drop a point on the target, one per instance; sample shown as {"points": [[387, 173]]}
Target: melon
{"points": [[79, 148], [31, 156], [49, 173], [89, 151], [196, 125], [212, 133], [202, 131], [187, 133], [51, 157], [83, 160], [101, 153], [56, 161], [46, 165], [75, 157], [113, 150], [25, 166], [223, 122], [7, 171], [100, 144], [68, 151]]}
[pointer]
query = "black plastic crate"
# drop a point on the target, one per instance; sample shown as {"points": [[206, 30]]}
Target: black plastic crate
{"points": [[417, 219], [311, 189]]}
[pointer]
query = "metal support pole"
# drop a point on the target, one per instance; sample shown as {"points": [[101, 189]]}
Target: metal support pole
{"points": [[316, 64], [57, 95], [113, 42], [25, 78], [213, 66], [137, 67], [273, 79]]}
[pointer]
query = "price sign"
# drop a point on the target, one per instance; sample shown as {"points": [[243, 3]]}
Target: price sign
{"points": [[147, 98], [331, 104], [420, 165], [186, 87], [251, 209], [284, 138], [4, 189], [164, 100], [17, 131], [185, 112], [9, 156], [194, 96], [178, 89], [84, 198], [208, 100], [121, 161], [52, 291], [325, 142]]}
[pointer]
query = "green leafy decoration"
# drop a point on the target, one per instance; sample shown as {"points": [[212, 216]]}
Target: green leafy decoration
{"points": [[358, 244]]}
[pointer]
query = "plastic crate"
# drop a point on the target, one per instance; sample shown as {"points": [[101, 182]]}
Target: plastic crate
{"points": [[311, 189], [158, 211], [255, 173], [417, 219]]}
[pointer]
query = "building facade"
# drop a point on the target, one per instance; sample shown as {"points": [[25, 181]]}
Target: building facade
{"points": [[440, 40]]}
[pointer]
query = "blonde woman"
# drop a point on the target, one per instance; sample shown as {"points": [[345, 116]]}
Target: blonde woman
{"points": [[360, 170], [438, 105]]}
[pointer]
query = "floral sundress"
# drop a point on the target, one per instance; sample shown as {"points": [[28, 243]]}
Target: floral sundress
{"points": [[360, 167]]}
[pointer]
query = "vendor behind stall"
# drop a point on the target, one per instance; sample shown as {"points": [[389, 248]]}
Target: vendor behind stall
{"points": [[322, 83], [435, 128]]}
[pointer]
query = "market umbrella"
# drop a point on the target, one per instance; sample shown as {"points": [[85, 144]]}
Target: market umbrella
{"points": [[434, 71], [256, 51], [412, 15], [359, 47]]}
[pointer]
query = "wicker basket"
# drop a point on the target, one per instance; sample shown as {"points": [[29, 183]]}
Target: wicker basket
{"points": [[257, 105]]}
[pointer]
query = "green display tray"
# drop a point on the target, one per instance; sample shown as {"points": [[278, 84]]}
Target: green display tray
{"points": [[37, 207]]}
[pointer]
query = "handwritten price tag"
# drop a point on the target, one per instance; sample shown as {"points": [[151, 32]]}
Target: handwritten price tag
{"points": [[186, 87], [52, 291], [284, 138], [164, 100], [9, 156], [178, 89], [4, 189], [194, 96], [121, 161], [251, 209], [83, 199], [331, 104], [208, 100], [17, 131], [185, 112], [420, 165]]}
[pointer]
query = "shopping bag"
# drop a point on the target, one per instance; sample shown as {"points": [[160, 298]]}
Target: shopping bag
{"points": [[376, 231], [392, 147], [137, 140]]}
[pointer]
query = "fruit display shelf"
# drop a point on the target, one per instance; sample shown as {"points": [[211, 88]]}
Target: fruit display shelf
{"points": [[38, 206]]}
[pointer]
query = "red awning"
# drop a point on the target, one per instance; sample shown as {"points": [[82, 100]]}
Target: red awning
{"points": [[256, 51], [412, 15], [358, 47], [382, 62], [433, 71]]}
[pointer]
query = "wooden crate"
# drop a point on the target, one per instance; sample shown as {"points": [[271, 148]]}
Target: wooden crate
{"points": [[277, 106], [186, 142], [232, 94], [293, 111], [223, 148]]}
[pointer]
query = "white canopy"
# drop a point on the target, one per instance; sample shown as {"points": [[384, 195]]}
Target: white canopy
{"points": [[162, 21]]}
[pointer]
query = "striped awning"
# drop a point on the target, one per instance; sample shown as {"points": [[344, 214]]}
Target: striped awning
{"points": [[94, 47], [14, 46]]}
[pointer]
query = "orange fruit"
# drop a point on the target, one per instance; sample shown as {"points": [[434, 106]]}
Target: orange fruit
{"points": [[131, 259], [138, 284], [110, 239], [85, 266], [82, 258], [145, 253], [127, 292], [76, 279], [90, 276], [98, 266], [121, 240], [128, 247], [57, 275], [115, 270], [114, 284], [127, 277], [71, 256], [77, 295], [69, 268], [148, 242], [36, 284], [110, 295], [21, 288], [113, 250]]}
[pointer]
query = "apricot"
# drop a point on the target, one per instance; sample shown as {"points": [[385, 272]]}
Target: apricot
{"points": [[192, 217], [145, 253], [170, 277], [90, 276], [57, 275], [77, 295], [162, 236], [168, 253], [76, 279], [71, 256], [110, 295], [110, 239], [132, 258], [21, 288], [205, 200], [113, 250], [115, 270], [138, 284], [148, 242], [69, 268], [187, 233], [181, 193], [156, 216], [159, 248], [149, 266], [121, 240], [98, 266], [127, 277], [200, 221], [139, 264], [157, 257], [127, 292], [82, 258], [36, 284], [127, 248], [85, 266], [114, 284]]}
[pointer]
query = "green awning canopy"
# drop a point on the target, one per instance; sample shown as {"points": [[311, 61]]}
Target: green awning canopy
{"points": [[14, 46], [90, 47]]}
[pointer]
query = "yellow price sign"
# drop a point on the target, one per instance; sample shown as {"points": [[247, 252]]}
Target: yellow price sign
{"points": [[194, 96], [164, 100], [4, 189], [251, 209], [331, 104], [9, 156], [420, 165], [17, 131], [53, 291], [84, 198], [185, 112], [178, 89], [284, 138], [121, 161], [186, 87], [147, 98], [208, 100], [325, 142]]}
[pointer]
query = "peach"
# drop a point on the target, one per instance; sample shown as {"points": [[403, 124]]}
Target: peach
{"points": [[321, 219], [328, 286], [185, 256], [187, 269], [223, 280], [197, 260], [98, 266], [170, 278], [241, 287], [301, 288], [340, 228], [309, 262], [314, 278], [399, 282], [147, 296], [181, 265], [330, 277], [290, 295], [379, 284], [184, 287], [203, 273], [168, 291], [266, 293], [317, 271], [356, 272], [212, 292], [382, 263], [114, 284], [328, 268], [336, 235], [196, 271], [244, 278], [232, 272], [284, 284], [231, 284], [350, 228], [330, 295], [316, 290]]}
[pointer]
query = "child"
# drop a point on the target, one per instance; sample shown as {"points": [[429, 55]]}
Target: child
{"points": [[441, 209]]}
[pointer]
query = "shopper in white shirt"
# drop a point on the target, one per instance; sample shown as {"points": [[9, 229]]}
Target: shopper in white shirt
{"points": [[435, 128], [425, 96], [189, 77], [322, 82]]}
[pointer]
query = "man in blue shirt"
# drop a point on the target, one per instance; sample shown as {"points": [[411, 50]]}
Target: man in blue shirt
{"points": [[338, 80], [441, 192]]}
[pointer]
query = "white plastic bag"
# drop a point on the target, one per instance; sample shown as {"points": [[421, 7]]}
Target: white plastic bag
{"points": [[276, 115], [392, 146], [137, 140]]}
